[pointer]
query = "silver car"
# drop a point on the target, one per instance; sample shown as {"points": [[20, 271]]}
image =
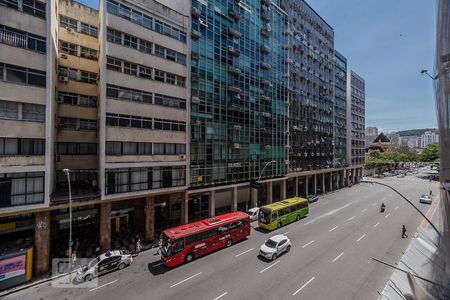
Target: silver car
{"points": [[110, 261], [275, 246], [425, 199]]}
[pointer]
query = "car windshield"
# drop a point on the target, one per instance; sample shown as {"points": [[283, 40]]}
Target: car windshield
{"points": [[270, 243], [93, 262], [264, 216]]}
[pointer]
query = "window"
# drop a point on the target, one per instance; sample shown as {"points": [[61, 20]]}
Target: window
{"points": [[68, 23], [159, 75], [88, 77], [145, 46], [23, 188], [33, 112], [114, 36], [89, 101], [68, 72], [67, 123], [114, 64], [36, 78], [130, 41], [88, 125], [22, 39], [68, 48], [171, 55], [89, 29], [129, 68], [15, 146], [65, 148], [145, 72], [169, 149], [16, 74], [88, 53], [9, 110], [160, 51], [170, 101]]}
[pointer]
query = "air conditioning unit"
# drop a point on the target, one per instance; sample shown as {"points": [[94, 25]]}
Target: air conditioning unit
{"points": [[63, 56], [63, 78], [183, 156], [237, 146]]}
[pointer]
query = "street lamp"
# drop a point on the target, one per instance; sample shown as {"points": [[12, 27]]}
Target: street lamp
{"points": [[267, 163], [426, 73], [376, 182], [67, 172]]}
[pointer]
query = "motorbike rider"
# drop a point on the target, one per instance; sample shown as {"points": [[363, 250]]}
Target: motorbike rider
{"points": [[383, 206]]}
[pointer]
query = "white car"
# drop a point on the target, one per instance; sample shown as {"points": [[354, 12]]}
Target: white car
{"points": [[275, 246], [425, 199], [110, 261], [253, 213]]}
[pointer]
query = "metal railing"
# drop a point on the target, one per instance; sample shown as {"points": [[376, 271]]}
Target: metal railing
{"points": [[13, 38]]}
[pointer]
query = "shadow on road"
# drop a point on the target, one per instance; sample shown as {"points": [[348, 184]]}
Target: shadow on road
{"points": [[157, 268], [265, 231]]}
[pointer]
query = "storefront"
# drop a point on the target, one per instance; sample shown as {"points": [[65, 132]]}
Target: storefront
{"points": [[167, 211]]}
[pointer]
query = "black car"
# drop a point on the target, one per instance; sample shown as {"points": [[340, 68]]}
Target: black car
{"points": [[312, 198]]}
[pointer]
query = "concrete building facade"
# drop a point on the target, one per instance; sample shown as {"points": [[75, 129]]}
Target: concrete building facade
{"points": [[340, 110], [356, 118]]}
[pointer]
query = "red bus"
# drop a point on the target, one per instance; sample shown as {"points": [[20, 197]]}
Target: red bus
{"points": [[184, 243]]}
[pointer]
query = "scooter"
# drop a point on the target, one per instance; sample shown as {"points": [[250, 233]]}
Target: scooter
{"points": [[382, 208]]}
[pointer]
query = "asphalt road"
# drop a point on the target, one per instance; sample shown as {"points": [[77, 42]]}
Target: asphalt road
{"points": [[331, 256]]}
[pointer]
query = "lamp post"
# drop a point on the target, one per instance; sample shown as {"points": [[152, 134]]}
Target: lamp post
{"points": [[418, 210], [267, 163], [426, 73], [67, 172]]}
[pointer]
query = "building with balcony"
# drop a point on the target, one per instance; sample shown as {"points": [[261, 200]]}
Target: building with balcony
{"points": [[356, 102], [340, 110]]}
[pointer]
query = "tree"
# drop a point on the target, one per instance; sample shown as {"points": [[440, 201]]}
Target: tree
{"points": [[430, 153]]}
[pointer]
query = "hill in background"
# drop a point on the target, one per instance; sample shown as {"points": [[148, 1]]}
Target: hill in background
{"points": [[416, 132]]}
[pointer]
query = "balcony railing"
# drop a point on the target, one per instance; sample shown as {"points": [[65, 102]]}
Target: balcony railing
{"points": [[13, 38]]}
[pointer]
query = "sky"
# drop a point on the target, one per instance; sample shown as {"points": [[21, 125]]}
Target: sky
{"points": [[388, 43]]}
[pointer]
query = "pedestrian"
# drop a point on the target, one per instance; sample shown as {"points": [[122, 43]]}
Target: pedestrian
{"points": [[138, 246], [404, 235], [431, 192], [97, 251]]}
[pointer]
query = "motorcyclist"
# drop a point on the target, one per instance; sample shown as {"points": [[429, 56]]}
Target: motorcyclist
{"points": [[383, 206]]}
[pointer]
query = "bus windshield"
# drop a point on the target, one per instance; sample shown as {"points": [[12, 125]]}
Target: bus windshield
{"points": [[166, 247], [264, 215]]}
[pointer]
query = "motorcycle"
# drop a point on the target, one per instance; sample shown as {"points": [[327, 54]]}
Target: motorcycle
{"points": [[382, 208]]}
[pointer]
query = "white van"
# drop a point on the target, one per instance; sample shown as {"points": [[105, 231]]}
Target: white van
{"points": [[253, 213]]}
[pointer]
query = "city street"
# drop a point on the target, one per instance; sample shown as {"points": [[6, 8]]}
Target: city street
{"points": [[331, 256]]}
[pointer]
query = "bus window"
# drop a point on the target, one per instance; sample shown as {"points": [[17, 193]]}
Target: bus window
{"points": [[178, 246], [212, 232], [234, 225], [281, 212], [274, 215], [222, 229], [287, 210]]}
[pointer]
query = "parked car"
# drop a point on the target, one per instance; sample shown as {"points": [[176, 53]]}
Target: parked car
{"points": [[425, 199], [312, 198], [107, 262], [253, 213], [401, 175], [275, 246]]}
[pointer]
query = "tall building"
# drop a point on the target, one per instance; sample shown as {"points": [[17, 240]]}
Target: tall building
{"points": [[356, 102], [340, 110], [239, 109], [428, 137], [371, 134], [395, 139]]}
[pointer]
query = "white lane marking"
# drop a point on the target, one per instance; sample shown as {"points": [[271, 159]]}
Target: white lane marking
{"points": [[337, 257], [221, 296], [331, 212], [99, 287], [376, 224], [332, 229], [184, 280], [303, 286], [244, 252], [308, 244], [396, 208], [265, 269], [349, 219], [387, 215], [403, 202], [374, 204], [361, 237], [364, 210], [286, 232]]}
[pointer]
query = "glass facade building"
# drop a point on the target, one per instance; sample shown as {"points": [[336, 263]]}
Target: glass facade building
{"points": [[311, 59], [239, 105], [340, 110]]}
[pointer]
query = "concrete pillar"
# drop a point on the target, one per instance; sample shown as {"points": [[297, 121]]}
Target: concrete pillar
{"points": [[234, 198], [212, 204], [296, 187], [283, 189], [269, 192], [150, 218], [253, 197], [342, 178], [323, 183], [185, 209], [105, 226], [315, 185], [42, 242], [331, 181], [306, 185]]}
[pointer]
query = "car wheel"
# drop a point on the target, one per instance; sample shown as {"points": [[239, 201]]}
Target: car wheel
{"points": [[274, 256], [279, 225], [288, 248], [88, 277], [121, 266], [229, 243], [189, 257], [298, 218]]}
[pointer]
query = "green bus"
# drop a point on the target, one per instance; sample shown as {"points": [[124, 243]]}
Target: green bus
{"points": [[283, 212]]}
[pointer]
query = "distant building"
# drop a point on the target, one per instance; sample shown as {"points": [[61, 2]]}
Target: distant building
{"points": [[371, 134], [394, 137], [427, 138], [381, 143]]}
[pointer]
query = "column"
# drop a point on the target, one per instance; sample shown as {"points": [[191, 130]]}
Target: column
{"points": [[323, 183], [212, 204], [315, 185], [105, 226], [234, 197], [269, 192], [342, 178], [253, 197], [185, 209], [296, 187], [283, 189], [42, 241], [331, 181], [306, 185], [150, 218]]}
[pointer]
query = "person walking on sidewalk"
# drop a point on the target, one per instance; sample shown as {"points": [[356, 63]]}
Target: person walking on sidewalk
{"points": [[404, 235]]}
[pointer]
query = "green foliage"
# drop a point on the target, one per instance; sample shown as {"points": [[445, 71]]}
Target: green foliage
{"points": [[430, 153], [415, 132], [389, 160]]}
